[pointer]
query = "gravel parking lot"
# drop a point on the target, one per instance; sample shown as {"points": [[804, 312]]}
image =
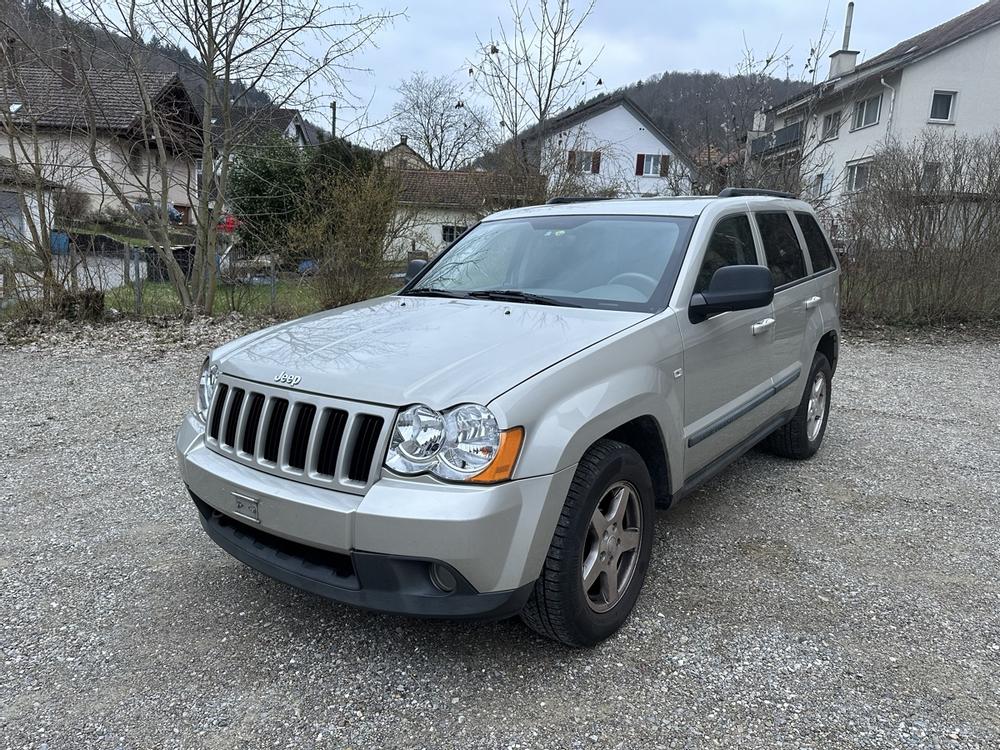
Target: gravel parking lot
{"points": [[849, 601]]}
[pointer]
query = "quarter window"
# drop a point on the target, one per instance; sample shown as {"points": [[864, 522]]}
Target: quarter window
{"points": [[941, 106], [866, 112], [731, 244], [816, 244], [781, 247]]}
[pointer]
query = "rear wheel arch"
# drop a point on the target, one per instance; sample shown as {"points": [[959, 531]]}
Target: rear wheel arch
{"points": [[829, 346]]}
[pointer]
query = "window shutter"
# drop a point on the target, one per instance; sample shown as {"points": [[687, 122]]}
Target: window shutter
{"points": [[595, 163], [571, 161], [664, 165], [639, 164]]}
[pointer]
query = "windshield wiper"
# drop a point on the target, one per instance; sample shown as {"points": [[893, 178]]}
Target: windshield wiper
{"points": [[516, 295], [430, 291]]}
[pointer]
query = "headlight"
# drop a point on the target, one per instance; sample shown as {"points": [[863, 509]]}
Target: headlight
{"points": [[464, 443], [206, 388]]}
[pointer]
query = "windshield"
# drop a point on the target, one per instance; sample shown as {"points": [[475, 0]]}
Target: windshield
{"points": [[617, 262]]}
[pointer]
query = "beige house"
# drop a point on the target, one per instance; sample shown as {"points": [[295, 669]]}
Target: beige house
{"points": [[96, 132], [437, 206]]}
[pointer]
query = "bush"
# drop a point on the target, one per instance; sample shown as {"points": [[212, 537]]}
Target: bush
{"points": [[349, 231], [922, 242]]}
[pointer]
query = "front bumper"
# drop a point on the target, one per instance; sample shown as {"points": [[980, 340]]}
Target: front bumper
{"points": [[375, 550]]}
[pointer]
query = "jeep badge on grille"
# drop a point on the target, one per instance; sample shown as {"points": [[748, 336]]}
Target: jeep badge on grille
{"points": [[285, 378]]}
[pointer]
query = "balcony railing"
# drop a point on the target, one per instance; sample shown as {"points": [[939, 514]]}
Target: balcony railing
{"points": [[789, 135]]}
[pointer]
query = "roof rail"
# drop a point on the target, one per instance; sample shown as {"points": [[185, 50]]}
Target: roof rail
{"points": [[747, 192], [574, 199]]}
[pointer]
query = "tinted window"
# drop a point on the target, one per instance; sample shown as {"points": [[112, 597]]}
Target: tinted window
{"points": [[731, 244], [819, 251], [618, 262], [781, 247]]}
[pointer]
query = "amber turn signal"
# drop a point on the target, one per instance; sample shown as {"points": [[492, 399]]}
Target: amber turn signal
{"points": [[502, 466]]}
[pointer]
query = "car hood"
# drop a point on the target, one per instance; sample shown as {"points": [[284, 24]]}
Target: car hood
{"points": [[404, 350]]}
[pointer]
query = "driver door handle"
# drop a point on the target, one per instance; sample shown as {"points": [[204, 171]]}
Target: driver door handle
{"points": [[761, 325], [812, 302]]}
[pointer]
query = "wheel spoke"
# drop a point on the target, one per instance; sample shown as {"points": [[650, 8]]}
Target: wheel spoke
{"points": [[630, 539], [592, 568], [619, 505], [609, 584], [598, 522]]}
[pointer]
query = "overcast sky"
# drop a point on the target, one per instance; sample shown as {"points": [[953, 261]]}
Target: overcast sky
{"points": [[639, 38]]}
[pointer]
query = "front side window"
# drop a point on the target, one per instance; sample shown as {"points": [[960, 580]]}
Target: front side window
{"points": [[731, 244], [819, 250], [866, 112], [941, 106], [781, 247], [614, 262], [858, 176]]}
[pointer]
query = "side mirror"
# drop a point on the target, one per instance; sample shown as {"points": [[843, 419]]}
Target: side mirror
{"points": [[414, 267], [733, 288]]}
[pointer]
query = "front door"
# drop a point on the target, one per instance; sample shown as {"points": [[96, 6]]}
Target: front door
{"points": [[727, 358]]}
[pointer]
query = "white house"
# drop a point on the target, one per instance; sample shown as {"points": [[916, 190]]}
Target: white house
{"points": [[613, 146], [945, 79]]}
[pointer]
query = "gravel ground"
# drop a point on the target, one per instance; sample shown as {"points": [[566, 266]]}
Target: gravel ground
{"points": [[848, 601]]}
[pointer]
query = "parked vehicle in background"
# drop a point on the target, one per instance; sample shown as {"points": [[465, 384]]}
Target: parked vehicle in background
{"points": [[493, 439]]}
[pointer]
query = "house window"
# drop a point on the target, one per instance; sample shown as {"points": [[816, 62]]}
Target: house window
{"points": [[584, 161], [817, 186], [858, 175], [942, 106], [652, 165], [199, 175], [930, 179], [831, 126], [451, 232], [866, 112]]}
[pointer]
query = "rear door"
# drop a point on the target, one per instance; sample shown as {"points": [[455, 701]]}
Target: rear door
{"points": [[789, 265], [727, 371]]}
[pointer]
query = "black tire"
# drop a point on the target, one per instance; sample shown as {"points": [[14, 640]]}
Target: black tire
{"points": [[559, 607], [793, 440]]}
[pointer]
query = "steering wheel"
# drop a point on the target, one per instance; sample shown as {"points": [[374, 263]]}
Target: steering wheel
{"points": [[639, 281]]}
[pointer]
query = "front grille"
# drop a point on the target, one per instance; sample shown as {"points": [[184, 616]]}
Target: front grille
{"points": [[323, 441]]}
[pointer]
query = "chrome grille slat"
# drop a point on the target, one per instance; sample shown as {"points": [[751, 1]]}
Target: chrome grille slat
{"points": [[318, 440]]}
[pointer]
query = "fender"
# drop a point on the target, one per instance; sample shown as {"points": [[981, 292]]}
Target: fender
{"points": [[569, 406]]}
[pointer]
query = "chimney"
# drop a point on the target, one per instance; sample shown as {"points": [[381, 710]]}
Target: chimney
{"points": [[67, 71], [402, 140], [333, 119], [845, 59]]}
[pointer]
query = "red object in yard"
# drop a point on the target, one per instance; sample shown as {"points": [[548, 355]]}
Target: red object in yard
{"points": [[229, 224]]}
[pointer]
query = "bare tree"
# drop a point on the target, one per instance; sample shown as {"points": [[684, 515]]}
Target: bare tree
{"points": [[445, 130], [531, 69], [238, 47]]}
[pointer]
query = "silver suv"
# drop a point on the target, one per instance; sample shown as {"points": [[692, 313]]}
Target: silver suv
{"points": [[494, 439]]}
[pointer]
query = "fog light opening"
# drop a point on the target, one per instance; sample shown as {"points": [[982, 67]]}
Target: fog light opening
{"points": [[442, 578]]}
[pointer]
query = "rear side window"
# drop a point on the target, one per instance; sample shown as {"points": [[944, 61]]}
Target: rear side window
{"points": [[781, 247], [819, 250], [731, 244]]}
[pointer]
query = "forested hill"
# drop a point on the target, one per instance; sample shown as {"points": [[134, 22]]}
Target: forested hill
{"points": [[698, 109]]}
